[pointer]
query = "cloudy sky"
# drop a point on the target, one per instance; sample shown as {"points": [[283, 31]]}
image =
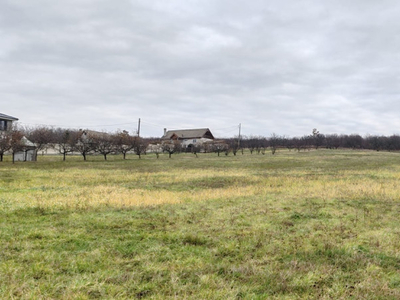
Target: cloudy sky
{"points": [[281, 67]]}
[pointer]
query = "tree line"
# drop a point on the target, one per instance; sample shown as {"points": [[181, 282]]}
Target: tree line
{"points": [[87, 142], [68, 141]]}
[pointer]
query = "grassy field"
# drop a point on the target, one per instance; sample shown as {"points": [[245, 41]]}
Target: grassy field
{"points": [[312, 225]]}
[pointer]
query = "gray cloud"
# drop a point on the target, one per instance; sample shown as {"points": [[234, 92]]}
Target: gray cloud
{"points": [[282, 67]]}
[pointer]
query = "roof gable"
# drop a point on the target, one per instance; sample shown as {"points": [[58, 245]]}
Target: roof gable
{"points": [[8, 118], [188, 134]]}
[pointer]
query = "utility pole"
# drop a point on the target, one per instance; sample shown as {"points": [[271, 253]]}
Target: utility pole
{"points": [[138, 130]]}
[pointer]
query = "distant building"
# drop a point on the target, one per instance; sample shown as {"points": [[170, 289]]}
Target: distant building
{"points": [[188, 137], [6, 122], [28, 153], [28, 149]]}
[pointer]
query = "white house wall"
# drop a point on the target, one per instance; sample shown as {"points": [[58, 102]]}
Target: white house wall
{"points": [[200, 141], [30, 156]]}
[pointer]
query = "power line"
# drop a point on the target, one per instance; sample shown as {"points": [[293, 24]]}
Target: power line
{"points": [[151, 124], [231, 128]]}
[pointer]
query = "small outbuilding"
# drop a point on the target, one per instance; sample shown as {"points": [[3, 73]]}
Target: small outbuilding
{"points": [[28, 152]]}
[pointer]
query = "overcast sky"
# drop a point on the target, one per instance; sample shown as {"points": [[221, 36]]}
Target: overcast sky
{"points": [[281, 67]]}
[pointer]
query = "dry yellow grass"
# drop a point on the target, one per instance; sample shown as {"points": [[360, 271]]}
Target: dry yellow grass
{"points": [[91, 188]]}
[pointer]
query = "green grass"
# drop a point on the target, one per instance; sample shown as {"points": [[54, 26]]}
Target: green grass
{"points": [[309, 225]]}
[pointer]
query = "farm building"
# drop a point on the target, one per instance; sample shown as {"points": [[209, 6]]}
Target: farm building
{"points": [[28, 149], [188, 137], [28, 152], [6, 122]]}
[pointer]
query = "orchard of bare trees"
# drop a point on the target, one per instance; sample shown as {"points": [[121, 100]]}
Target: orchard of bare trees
{"points": [[69, 141], [86, 142]]}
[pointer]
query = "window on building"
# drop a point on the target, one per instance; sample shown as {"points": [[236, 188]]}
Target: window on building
{"points": [[3, 125]]}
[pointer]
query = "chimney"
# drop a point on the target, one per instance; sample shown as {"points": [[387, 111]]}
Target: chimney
{"points": [[165, 131]]}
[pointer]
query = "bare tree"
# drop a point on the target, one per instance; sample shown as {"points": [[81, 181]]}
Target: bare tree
{"points": [[171, 147], [16, 144], [299, 143], [5, 143], [262, 144], [208, 147], [196, 149], [288, 143], [64, 140], [220, 146], [233, 145], [85, 143], [123, 142], [393, 143], [251, 142], [374, 142], [155, 146], [333, 141], [139, 146], [318, 138], [40, 136], [273, 143], [355, 141], [103, 143]]}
